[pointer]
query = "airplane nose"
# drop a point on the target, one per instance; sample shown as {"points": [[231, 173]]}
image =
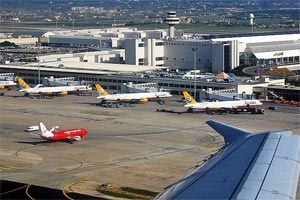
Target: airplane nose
{"points": [[85, 131]]}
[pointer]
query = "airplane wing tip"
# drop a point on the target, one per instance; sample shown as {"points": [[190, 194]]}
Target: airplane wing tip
{"points": [[210, 122], [213, 123], [229, 133]]}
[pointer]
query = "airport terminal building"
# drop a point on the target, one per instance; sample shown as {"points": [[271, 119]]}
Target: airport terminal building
{"points": [[224, 53], [209, 53]]}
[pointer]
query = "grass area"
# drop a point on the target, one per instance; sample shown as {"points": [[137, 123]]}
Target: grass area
{"points": [[139, 191], [202, 28], [117, 194], [38, 28], [126, 192]]}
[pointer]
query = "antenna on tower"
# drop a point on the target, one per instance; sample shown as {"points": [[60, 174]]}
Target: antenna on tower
{"points": [[172, 20], [251, 20]]}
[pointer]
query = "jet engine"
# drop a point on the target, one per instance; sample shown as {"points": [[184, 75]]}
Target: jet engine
{"points": [[77, 138], [144, 100], [64, 93]]}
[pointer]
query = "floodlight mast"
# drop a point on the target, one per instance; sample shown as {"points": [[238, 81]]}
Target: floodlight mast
{"points": [[251, 21]]}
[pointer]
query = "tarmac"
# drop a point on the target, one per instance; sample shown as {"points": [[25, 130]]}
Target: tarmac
{"points": [[135, 146]]}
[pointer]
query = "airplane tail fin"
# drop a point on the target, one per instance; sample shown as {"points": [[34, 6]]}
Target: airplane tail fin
{"points": [[229, 133], [22, 84], [44, 131], [100, 90], [188, 98]]}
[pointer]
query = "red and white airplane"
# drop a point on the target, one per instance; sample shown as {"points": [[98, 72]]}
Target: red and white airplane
{"points": [[68, 134]]}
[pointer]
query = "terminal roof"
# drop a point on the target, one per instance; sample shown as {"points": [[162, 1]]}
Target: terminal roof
{"points": [[107, 68]]}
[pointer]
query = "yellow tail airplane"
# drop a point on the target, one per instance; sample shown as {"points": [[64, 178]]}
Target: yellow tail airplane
{"points": [[191, 103], [129, 97], [60, 90]]}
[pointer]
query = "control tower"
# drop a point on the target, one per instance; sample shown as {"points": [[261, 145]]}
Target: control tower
{"points": [[172, 20]]}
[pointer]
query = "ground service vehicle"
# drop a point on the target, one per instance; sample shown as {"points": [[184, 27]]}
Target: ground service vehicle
{"points": [[32, 128]]}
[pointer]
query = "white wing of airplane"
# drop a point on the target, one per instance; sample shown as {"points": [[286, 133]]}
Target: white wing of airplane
{"points": [[249, 166], [141, 97]]}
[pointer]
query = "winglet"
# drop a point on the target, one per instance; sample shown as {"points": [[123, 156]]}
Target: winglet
{"points": [[188, 98], [100, 90], [229, 133], [23, 85]]}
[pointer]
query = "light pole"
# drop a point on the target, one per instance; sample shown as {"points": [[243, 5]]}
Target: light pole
{"points": [[38, 53], [195, 82], [251, 21], [13, 26]]}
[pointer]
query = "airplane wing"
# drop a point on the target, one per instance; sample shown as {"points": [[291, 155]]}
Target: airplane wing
{"points": [[250, 166], [131, 98]]}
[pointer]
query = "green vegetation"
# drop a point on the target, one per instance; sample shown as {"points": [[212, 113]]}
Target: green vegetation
{"points": [[125, 192], [139, 191], [199, 28], [117, 194], [200, 17], [294, 82], [7, 44]]}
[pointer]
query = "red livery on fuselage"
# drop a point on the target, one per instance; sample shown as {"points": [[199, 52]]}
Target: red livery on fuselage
{"points": [[68, 134]]}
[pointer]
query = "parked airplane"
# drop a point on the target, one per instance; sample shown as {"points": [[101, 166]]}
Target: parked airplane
{"points": [[249, 166], [61, 90], [68, 134], [191, 103], [130, 97], [7, 84]]}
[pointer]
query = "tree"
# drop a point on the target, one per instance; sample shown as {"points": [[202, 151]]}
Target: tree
{"points": [[7, 44]]}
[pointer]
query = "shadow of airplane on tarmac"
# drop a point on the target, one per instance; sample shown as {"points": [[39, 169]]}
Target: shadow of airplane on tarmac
{"points": [[44, 142]]}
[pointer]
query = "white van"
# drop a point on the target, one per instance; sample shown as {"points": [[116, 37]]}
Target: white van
{"points": [[32, 128]]}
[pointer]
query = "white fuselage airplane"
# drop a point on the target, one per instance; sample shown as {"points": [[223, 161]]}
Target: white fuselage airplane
{"points": [[140, 97], [61, 90], [7, 84], [193, 104]]}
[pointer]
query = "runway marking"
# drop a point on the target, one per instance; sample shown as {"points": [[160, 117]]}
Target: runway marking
{"points": [[14, 189], [69, 187], [9, 168], [62, 170], [27, 188]]}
